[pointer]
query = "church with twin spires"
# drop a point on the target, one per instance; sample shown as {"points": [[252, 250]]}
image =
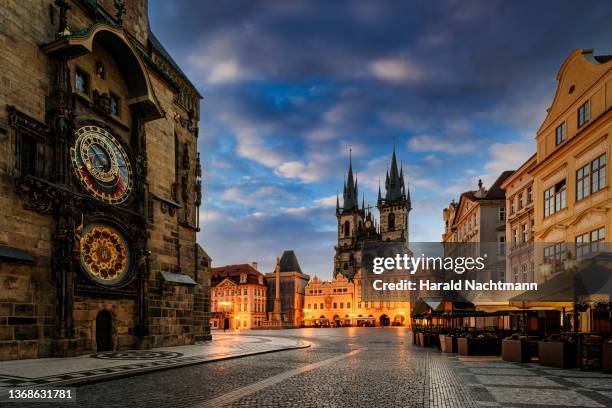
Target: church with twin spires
{"points": [[357, 225]]}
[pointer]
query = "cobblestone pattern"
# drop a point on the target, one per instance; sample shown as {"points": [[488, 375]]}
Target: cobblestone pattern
{"points": [[496, 383], [389, 372]]}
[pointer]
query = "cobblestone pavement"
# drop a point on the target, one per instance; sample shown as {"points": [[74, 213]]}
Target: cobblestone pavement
{"points": [[354, 367], [49, 372]]}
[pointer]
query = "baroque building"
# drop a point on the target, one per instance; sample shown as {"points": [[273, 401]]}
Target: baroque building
{"points": [[99, 184], [238, 297], [570, 176], [357, 225]]}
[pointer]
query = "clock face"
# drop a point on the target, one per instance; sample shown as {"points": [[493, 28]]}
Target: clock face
{"points": [[105, 254], [101, 165], [368, 224]]}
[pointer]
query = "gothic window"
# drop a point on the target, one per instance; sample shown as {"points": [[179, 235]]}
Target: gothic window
{"points": [[347, 228], [29, 144], [345, 266], [391, 222], [25, 155]]}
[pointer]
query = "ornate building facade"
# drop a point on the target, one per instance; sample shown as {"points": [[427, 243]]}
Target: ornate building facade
{"points": [[570, 177], [357, 225], [238, 297], [99, 184], [339, 303]]}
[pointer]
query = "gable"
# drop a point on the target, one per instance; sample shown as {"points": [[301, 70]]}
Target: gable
{"points": [[465, 206], [575, 78]]}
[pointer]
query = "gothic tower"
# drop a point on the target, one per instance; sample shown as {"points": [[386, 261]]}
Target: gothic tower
{"points": [[395, 206], [351, 220]]}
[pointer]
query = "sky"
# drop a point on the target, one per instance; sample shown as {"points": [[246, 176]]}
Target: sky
{"points": [[289, 87]]}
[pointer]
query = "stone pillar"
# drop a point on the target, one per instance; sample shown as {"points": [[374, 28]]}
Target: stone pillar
{"points": [[277, 299]]}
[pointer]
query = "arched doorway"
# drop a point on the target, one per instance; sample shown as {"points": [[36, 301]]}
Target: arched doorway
{"points": [[384, 320], [104, 328]]}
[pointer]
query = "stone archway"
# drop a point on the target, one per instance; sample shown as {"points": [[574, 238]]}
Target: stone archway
{"points": [[104, 331], [384, 320]]}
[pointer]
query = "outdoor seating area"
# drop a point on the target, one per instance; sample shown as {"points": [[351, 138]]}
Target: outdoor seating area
{"points": [[569, 336]]}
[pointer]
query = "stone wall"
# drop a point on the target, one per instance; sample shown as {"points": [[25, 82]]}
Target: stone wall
{"points": [[29, 308]]}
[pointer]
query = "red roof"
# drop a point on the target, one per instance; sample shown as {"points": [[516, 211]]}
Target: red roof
{"points": [[233, 272]]}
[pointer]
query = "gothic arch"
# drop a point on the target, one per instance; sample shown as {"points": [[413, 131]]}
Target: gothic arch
{"points": [[116, 43]]}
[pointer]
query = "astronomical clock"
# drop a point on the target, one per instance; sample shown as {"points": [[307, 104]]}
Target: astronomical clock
{"points": [[114, 238], [101, 165], [103, 169]]}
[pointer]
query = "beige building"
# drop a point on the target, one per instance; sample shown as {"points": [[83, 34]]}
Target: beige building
{"points": [[520, 223], [238, 297], [339, 303], [571, 188], [479, 219]]}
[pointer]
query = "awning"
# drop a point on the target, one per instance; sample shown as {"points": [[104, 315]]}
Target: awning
{"points": [[178, 278], [591, 279], [15, 254], [365, 318], [427, 304]]}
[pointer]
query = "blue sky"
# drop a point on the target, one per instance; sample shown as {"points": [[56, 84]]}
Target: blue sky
{"points": [[461, 86]]}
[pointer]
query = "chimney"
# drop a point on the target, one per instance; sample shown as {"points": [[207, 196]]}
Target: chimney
{"points": [[254, 265]]}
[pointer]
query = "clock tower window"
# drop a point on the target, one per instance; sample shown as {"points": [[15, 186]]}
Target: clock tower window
{"points": [[347, 228]]}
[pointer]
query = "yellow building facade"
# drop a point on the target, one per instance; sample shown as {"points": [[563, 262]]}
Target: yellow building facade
{"points": [[570, 179], [339, 303]]}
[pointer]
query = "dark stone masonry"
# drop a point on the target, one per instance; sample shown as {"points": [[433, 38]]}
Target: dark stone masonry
{"points": [[100, 184]]}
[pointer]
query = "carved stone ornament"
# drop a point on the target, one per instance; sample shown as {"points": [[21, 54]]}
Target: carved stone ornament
{"points": [[20, 120], [39, 195], [102, 101]]}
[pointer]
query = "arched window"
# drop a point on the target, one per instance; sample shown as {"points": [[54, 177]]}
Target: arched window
{"points": [[347, 228], [345, 266], [391, 222]]}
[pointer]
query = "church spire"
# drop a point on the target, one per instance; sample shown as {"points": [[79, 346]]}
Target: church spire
{"points": [[351, 192], [394, 184]]}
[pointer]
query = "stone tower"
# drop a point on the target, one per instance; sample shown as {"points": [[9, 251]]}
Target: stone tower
{"points": [[395, 206], [355, 224]]}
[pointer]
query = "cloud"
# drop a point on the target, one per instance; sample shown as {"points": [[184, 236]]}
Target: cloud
{"points": [[225, 71], [396, 70], [329, 201], [306, 172], [429, 143], [507, 156]]}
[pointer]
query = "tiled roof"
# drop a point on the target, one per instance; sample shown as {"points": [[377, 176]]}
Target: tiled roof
{"points": [[496, 192], [233, 272]]}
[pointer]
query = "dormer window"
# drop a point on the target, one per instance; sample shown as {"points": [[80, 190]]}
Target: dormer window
{"points": [[560, 134], [583, 114], [243, 278]]}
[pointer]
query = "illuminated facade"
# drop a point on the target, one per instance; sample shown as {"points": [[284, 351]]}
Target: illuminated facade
{"points": [[238, 297], [338, 303]]}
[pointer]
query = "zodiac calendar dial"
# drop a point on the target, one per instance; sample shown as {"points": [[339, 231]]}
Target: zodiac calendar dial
{"points": [[101, 165], [105, 254]]}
